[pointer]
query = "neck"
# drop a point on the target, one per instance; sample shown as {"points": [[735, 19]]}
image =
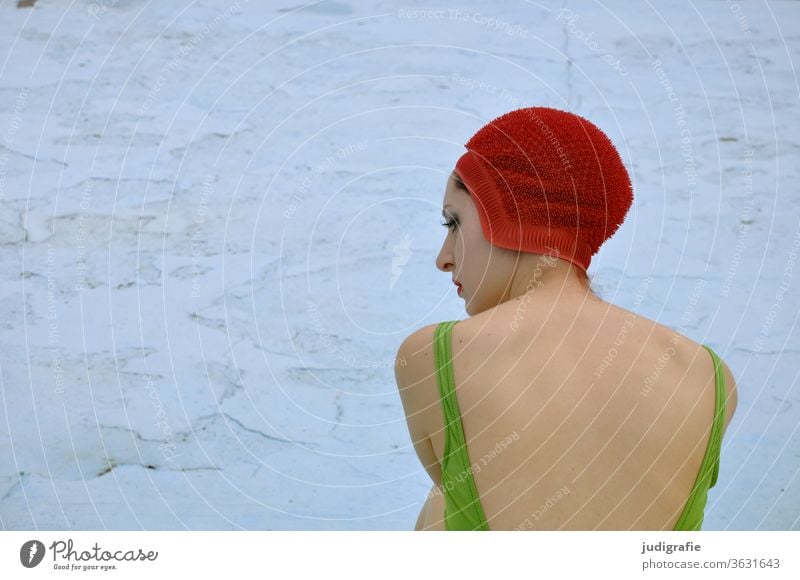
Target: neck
{"points": [[538, 276]]}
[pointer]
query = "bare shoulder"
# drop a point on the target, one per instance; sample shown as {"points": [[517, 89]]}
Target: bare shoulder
{"points": [[415, 375], [416, 346], [413, 368], [415, 356], [693, 351], [656, 345], [697, 351]]}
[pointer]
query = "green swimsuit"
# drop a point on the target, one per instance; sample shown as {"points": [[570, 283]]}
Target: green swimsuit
{"points": [[463, 509]]}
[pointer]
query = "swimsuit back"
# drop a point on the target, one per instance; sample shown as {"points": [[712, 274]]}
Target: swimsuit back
{"points": [[463, 508]]}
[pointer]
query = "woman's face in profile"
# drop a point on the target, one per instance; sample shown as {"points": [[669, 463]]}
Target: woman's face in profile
{"points": [[483, 270]]}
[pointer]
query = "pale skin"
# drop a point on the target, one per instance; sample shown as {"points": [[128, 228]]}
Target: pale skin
{"points": [[532, 359], [490, 275]]}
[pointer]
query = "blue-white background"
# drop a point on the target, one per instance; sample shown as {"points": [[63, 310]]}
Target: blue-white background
{"points": [[219, 220]]}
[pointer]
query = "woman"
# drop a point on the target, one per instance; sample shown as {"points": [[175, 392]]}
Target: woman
{"points": [[549, 408]]}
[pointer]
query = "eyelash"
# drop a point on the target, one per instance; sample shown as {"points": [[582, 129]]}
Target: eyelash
{"points": [[449, 223]]}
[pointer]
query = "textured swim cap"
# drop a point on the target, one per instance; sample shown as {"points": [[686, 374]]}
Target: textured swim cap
{"points": [[546, 181]]}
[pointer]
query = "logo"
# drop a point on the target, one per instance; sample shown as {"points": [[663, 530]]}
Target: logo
{"points": [[31, 553], [402, 254]]}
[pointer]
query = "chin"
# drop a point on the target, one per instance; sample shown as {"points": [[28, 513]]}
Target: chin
{"points": [[471, 309], [467, 307]]}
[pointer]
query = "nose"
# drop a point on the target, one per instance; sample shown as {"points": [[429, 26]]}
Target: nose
{"points": [[445, 260]]}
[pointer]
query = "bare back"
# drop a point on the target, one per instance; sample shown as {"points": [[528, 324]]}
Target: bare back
{"points": [[605, 417]]}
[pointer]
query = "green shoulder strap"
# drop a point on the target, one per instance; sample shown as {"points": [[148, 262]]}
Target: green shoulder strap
{"points": [[463, 509], [693, 511]]}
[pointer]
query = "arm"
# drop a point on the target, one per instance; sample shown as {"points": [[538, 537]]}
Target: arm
{"points": [[419, 395], [420, 525], [423, 521]]}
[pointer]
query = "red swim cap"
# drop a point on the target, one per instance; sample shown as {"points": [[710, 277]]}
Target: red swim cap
{"points": [[546, 181]]}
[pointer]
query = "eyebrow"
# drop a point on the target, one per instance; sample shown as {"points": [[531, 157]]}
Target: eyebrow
{"points": [[446, 206]]}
